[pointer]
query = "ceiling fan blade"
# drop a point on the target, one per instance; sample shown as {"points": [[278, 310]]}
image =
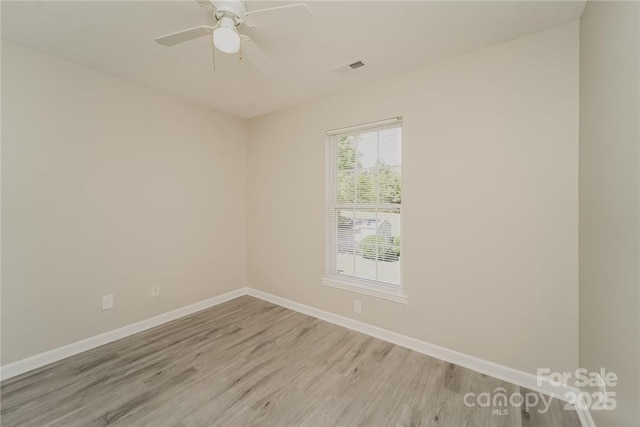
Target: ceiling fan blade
{"points": [[184, 35], [205, 3], [280, 7], [255, 55]]}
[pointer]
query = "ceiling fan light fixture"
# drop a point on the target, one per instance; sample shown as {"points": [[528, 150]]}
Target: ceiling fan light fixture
{"points": [[225, 36]]}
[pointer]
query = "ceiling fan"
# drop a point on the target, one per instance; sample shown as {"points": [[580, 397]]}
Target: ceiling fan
{"points": [[229, 15]]}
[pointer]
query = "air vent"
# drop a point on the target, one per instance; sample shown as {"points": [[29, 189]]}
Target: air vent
{"points": [[352, 66]]}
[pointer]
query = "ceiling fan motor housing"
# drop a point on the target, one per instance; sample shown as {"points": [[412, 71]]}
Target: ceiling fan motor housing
{"points": [[235, 9]]}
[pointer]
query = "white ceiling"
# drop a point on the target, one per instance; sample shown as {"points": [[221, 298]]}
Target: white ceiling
{"points": [[390, 36]]}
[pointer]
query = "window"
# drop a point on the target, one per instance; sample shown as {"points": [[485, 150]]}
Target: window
{"points": [[364, 170]]}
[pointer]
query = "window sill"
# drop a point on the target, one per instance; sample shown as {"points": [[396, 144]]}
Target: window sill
{"points": [[365, 288]]}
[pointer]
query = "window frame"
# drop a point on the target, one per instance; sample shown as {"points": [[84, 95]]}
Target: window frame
{"points": [[373, 288]]}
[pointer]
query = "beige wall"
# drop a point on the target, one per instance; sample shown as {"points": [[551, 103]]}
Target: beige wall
{"points": [[109, 187], [610, 201], [490, 220]]}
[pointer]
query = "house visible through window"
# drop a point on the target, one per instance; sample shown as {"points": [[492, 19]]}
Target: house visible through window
{"points": [[364, 204]]}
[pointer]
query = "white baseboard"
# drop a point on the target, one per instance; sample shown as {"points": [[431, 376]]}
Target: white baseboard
{"points": [[585, 417], [42, 359], [514, 376], [504, 373]]}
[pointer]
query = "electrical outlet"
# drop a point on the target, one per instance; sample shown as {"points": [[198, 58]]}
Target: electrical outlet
{"points": [[107, 302], [357, 306], [155, 290]]}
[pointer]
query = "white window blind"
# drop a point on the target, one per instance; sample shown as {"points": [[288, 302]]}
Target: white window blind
{"points": [[364, 206]]}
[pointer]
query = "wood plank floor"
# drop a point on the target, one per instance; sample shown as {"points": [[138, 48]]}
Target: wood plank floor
{"points": [[249, 362]]}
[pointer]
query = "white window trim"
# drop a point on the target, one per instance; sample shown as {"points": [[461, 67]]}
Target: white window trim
{"points": [[361, 286]]}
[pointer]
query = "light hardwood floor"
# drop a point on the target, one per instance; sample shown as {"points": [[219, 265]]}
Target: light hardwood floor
{"points": [[249, 362]]}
